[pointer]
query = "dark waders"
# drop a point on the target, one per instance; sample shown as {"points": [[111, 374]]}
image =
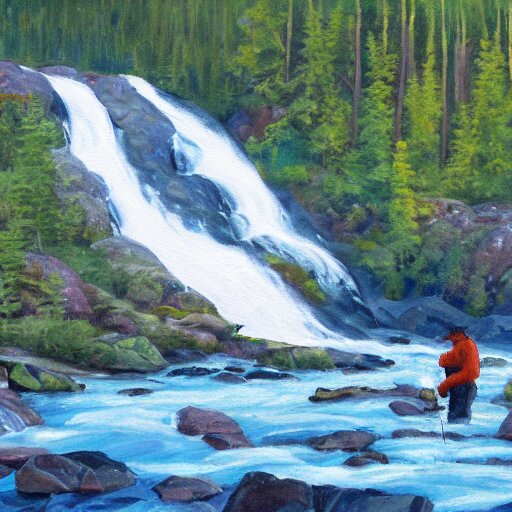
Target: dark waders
{"points": [[461, 398]]}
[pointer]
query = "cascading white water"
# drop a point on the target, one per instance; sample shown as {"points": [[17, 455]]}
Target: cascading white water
{"points": [[243, 291], [221, 161]]}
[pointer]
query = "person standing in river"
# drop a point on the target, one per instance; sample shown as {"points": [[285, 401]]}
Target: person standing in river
{"points": [[462, 368]]}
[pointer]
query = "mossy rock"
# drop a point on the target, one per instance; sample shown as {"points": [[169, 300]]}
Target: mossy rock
{"points": [[507, 391], [136, 354], [26, 377], [162, 312], [298, 358], [220, 328], [298, 277]]}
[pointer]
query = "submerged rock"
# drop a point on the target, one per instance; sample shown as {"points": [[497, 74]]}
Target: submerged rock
{"points": [[402, 408], [493, 362], [260, 491], [218, 429], [186, 489], [229, 378], [505, 430], [329, 498], [77, 472], [346, 440], [135, 392], [192, 371], [15, 416], [269, 375], [399, 340], [16, 456], [365, 458], [27, 377], [412, 432], [184, 355], [235, 369]]}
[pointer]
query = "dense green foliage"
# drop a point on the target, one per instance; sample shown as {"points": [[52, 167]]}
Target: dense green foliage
{"points": [[388, 104]]}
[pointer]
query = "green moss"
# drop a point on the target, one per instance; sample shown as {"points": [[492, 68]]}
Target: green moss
{"points": [[298, 277], [313, 359], [30, 378], [507, 391], [21, 376], [164, 311], [280, 359]]}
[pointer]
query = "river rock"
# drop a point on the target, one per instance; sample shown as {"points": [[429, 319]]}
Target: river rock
{"points": [[269, 375], [135, 392], [78, 472], [75, 303], [16, 80], [15, 457], [184, 355], [329, 498], [223, 432], [505, 430], [192, 371], [76, 185], [362, 393], [15, 416], [366, 457], [235, 369], [346, 440], [219, 327], [229, 378], [493, 362], [129, 354], [399, 340], [359, 362], [258, 492], [186, 489], [27, 377], [402, 408], [412, 432], [496, 461]]}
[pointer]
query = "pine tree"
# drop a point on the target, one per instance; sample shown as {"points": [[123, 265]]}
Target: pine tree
{"points": [[368, 168], [423, 102]]}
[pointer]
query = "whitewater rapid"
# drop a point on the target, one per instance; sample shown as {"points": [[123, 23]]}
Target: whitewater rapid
{"points": [[244, 291], [217, 158]]}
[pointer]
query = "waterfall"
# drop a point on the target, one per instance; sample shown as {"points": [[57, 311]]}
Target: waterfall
{"points": [[243, 290], [217, 158]]}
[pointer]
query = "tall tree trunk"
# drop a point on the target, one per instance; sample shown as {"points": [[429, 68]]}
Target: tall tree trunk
{"points": [[356, 98], [402, 76], [289, 33], [462, 50], [385, 25], [444, 86], [510, 40], [412, 60]]}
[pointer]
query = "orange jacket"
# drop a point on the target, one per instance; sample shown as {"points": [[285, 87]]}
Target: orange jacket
{"points": [[463, 355]]}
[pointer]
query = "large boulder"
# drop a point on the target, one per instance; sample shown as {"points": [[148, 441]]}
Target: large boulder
{"points": [[77, 472], [137, 354], [505, 430], [252, 123], [363, 393], [15, 416], [203, 322], [346, 440], [218, 430], [75, 185], [148, 132], [27, 377], [145, 271], [15, 457], [72, 288], [259, 492], [186, 489], [16, 80], [328, 498]]}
